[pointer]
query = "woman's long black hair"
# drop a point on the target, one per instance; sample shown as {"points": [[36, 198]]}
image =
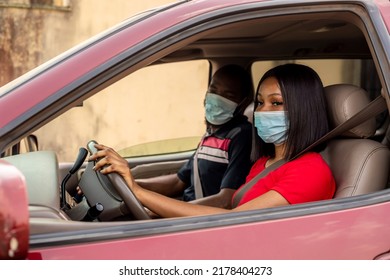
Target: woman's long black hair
{"points": [[303, 97]]}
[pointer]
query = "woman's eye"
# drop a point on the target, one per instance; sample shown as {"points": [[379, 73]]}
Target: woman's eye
{"points": [[259, 103], [276, 103]]}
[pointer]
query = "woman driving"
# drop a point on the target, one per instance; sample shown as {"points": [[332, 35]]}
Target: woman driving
{"points": [[290, 114]]}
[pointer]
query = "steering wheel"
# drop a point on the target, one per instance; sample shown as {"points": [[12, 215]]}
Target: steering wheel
{"points": [[111, 191]]}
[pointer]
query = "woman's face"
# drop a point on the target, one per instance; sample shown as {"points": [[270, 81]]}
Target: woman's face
{"points": [[269, 97]]}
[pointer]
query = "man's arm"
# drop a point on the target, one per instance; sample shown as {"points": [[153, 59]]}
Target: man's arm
{"points": [[168, 185]]}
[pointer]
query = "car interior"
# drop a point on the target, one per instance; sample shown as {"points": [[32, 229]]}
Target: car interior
{"points": [[358, 157]]}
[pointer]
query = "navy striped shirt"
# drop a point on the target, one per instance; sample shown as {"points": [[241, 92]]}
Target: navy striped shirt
{"points": [[223, 159]]}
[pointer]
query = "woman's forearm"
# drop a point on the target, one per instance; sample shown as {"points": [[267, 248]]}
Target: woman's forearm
{"points": [[169, 207]]}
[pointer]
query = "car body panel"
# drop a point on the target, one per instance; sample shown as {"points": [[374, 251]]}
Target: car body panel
{"points": [[352, 228], [350, 232], [385, 10]]}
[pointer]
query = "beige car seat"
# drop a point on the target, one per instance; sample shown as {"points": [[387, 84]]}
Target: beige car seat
{"points": [[359, 165]]}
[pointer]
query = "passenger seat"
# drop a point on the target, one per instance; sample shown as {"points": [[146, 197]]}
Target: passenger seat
{"points": [[360, 165]]}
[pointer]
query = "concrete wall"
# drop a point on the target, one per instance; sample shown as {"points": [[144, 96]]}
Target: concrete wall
{"points": [[33, 31]]}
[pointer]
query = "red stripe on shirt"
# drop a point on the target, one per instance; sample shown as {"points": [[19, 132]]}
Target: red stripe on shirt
{"points": [[213, 142]]}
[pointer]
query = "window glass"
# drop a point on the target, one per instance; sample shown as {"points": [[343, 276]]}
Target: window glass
{"points": [[153, 104]]}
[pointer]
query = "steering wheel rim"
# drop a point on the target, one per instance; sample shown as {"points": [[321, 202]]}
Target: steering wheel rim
{"points": [[133, 204], [115, 186]]}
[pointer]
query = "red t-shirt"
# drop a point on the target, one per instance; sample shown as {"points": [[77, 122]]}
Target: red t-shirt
{"points": [[307, 178]]}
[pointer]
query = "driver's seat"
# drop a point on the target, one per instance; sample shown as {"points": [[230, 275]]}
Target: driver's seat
{"points": [[359, 165]]}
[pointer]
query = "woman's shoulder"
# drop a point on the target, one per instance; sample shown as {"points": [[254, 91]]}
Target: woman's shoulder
{"points": [[309, 161], [311, 156]]}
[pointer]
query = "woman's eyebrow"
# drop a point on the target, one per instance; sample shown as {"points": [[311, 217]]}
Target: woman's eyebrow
{"points": [[271, 94]]}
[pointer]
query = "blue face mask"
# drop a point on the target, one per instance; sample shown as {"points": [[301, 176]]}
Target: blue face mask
{"points": [[271, 126], [219, 110]]}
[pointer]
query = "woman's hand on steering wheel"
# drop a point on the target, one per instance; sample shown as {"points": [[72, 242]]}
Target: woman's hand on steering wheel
{"points": [[109, 161]]}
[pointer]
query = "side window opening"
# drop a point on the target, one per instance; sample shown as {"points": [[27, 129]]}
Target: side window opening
{"points": [[156, 103]]}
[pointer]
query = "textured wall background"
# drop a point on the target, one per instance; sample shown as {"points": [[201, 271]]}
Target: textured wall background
{"points": [[33, 31]]}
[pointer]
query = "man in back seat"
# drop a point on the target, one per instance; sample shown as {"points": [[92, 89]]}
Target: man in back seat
{"points": [[223, 155]]}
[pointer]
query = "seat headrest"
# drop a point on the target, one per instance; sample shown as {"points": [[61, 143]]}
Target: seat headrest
{"points": [[344, 101], [249, 112]]}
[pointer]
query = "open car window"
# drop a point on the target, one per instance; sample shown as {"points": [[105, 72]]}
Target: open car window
{"points": [[154, 104]]}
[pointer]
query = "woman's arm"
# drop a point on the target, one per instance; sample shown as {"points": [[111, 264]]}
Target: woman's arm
{"points": [[110, 161], [223, 199]]}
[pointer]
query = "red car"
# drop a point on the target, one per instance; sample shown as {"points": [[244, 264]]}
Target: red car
{"points": [[346, 42]]}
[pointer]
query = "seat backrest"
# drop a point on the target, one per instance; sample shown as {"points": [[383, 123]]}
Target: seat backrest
{"points": [[359, 165], [249, 112], [40, 170]]}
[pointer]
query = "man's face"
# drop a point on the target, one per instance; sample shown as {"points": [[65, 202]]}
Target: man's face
{"points": [[225, 87]]}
